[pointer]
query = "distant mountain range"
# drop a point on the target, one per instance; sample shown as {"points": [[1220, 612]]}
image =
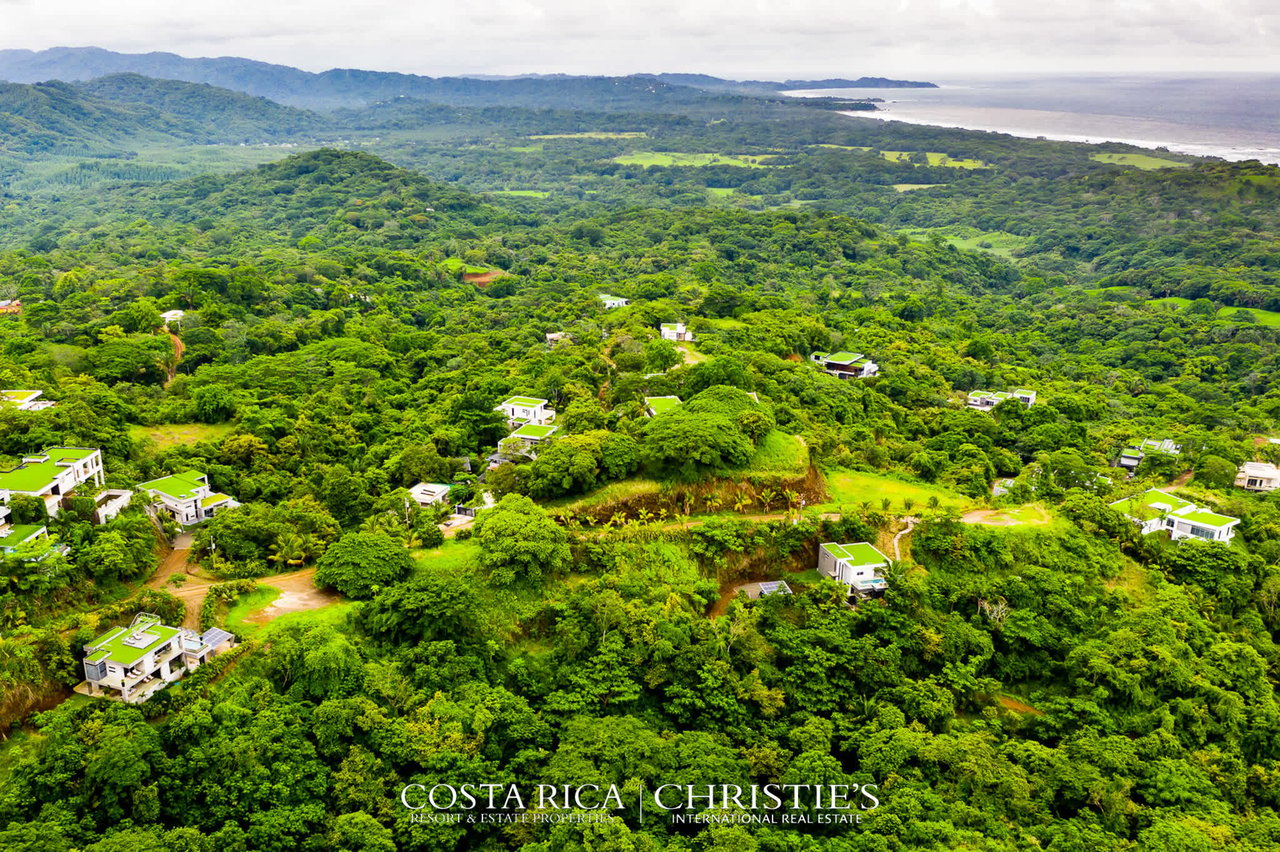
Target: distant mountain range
{"points": [[352, 88]]}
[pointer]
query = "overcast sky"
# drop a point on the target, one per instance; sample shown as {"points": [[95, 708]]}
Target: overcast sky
{"points": [[737, 38]]}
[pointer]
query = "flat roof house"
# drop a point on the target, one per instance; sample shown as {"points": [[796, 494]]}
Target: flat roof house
{"points": [[611, 302], [14, 536], [429, 493], [532, 434], [1132, 455], [520, 410], [1156, 510], [655, 405], [187, 497], [172, 316], [984, 400], [846, 365], [52, 474], [675, 331], [856, 565], [1258, 476], [26, 400], [132, 663]]}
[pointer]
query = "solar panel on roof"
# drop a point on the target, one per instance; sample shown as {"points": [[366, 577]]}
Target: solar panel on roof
{"points": [[215, 636]]}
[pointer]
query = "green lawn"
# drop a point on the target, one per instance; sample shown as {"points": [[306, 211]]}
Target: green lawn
{"points": [[611, 493], [1146, 162], [521, 193], [1269, 318], [974, 239], [841, 147], [936, 158], [525, 149], [454, 265], [632, 134], [779, 454], [851, 487], [682, 158], [168, 435], [332, 615], [245, 606], [1176, 301], [908, 187]]}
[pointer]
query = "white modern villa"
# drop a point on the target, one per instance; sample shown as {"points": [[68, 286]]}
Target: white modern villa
{"points": [[1258, 476], [52, 474], [675, 331], [520, 410], [846, 365], [655, 405], [429, 493], [15, 536], [984, 400], [611, 301], [171, 317], [1132, 455], [857, 565], [187, 497], [1157, 510], [532, 434], [26, 400], [132, 663]]}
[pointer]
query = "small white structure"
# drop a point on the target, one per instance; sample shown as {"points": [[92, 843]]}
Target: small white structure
{"points": [[1156, 510], [52, 474], [533, 434], [429, 493], [846, 365], [187, 497], [14, 536], [520, 410], [558, 338], [109, 503], [1258, 476], [26, 400], [675, 331], [1132, 455], [984, 400], [171, 317], [611, 302], [856, 565], [132, 663]]}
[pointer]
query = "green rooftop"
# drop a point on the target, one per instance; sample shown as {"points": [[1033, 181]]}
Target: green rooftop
{"points": [[19, 396], [179, 486], [18, 534], [1150, 504], [1208, 519], [36, 477], [532, 432], [525, 401], [152, 633], [662, 404], [860, 553], [845, 357]]}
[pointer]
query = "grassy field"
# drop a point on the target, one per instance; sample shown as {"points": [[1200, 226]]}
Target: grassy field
{"points": [[851, 487], [454, 265], [841, 147], [908, 187], [1146, 162], [613, 492], [1269, 318], [936, 159], [779, 454], [521, 193], [973, 239], [170, 435], [247, 605], [681, 158], [632, 134], [1176, 301]]}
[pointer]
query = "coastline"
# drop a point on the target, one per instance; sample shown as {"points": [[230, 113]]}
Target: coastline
{"points": [[1038, 124]]}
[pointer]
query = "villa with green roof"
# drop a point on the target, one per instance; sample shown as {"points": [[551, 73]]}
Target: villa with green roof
{"points": [[16, 536], [522, 410], [52, 474], [675, 331], [533, 434], [132, 663], [187, 497], [655, 405], [611, 301], [1156, 510], [26, 400], [857, 565], [984, 400], [1132, 455], [846, 365]]}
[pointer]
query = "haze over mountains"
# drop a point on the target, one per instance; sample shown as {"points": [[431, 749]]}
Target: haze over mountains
{"points": [[353, 87]]}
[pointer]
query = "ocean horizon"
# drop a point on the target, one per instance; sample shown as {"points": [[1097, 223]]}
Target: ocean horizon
{"points": [[1230, 116]]}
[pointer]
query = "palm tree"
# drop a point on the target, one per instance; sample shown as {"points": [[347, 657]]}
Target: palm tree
{"points": [[885, 503], [740, 505], [713, 502], [767, 496], [908, 504], [934, 502]]}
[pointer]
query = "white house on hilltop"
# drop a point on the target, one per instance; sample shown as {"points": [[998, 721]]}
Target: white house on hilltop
{"points": [[1157, 510], [984, 400], [846, 365], [171, 317], [26, 400], [611, 302], [1132, 455], [857, 565], [132, 663], [520, 410], [52, 474], [675, 331], [1258, 476], [429, 493]]}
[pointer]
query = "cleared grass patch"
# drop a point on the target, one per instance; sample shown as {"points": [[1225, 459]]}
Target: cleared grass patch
{"points": [[936, 158], [1000, 243], [852, 487], [1146, 162], [779, 454], [614, 492], [840, 147], [521, 193], [168, 435], [682, 158], [1271, 318], [1033, 514], [247, 605], [628, 134], [908, 187]]}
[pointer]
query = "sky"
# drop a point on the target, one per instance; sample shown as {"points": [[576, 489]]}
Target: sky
{"points": [[734, 38]]}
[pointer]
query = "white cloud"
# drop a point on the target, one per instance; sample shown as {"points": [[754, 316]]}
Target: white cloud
{"points": [[746, 38]]}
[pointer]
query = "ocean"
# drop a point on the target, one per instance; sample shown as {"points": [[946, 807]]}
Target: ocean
{"points": [[1232, 116]]}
